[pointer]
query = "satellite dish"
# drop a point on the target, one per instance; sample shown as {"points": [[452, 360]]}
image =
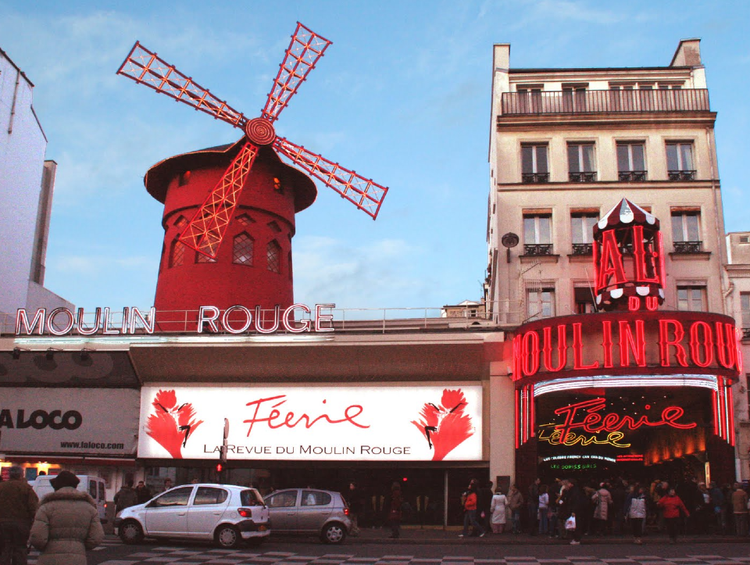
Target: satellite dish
{"points": [[509, 240]]}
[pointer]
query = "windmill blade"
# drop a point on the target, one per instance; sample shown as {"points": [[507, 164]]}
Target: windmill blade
{"points": [[365, 194], [304, 51], [145, 67], [206, 230]]}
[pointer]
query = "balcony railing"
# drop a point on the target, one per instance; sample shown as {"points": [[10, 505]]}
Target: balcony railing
{"points": [[609, 101], [533, 178], [688, 246], [681, 175], [582, 177], [583, 249], [632, 176], [745, 333], [537, 249]]}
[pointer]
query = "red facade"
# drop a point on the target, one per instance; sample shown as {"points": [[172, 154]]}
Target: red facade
{"points": [[254, 263]]}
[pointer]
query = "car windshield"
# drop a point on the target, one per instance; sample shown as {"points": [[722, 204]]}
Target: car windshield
{"points": [[282, 499], [175, 497], [210, 495], [250, 498], [315, 498]]}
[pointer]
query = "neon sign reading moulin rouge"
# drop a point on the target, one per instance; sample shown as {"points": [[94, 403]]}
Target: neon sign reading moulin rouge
{"points": [[587, 416], [236, 319], [690, 341]]}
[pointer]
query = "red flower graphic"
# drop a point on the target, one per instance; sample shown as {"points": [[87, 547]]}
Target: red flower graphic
{"points": [[446, 426], [171, 425]]}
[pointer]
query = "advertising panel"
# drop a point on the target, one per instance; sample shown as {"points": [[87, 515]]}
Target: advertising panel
{"points": [[420, 423], [69, 421]]}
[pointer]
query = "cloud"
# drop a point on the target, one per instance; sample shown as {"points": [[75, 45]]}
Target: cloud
{"points": [[366, 276]]}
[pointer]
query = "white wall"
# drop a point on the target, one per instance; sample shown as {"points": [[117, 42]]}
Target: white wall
{"points": [[22, 152]]}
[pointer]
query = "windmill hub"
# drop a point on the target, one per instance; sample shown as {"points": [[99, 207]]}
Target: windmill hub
{"points": [[260, 131]]}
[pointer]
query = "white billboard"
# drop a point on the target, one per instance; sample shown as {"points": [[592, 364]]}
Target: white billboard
{"points": [[68, 421], [353, 423]]}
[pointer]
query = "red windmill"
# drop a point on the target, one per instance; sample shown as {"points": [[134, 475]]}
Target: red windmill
{"points": [[273, 192]]}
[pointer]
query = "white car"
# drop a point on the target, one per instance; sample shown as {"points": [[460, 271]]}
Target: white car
{"points": [[227, 514]]}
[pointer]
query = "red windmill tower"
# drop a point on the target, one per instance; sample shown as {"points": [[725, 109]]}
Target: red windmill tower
{"points": [[229, 211]]}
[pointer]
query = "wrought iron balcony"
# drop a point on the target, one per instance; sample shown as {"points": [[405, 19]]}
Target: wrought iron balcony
{"points": [[681, 175], [582, 177], [688, 246], [605, 101], [537, 249], [534, 178], [583, 249], [632, 176], [745, 333]]}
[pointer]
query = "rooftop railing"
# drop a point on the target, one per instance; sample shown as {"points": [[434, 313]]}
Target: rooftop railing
{"points": [[605, 101]]}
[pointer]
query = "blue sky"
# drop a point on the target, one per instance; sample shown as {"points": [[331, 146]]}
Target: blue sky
{"points": [[402, 96]]}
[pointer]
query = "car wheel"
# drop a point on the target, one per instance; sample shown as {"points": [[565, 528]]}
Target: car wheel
{"points": [[228, 537], [333, 533], [130, 532]]}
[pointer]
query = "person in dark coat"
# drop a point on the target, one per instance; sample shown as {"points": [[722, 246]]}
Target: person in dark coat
{"points": [[18, 503], [484, 501], [143, 493], [125, 497], [394, 516], [575, 504], [66, 524]]}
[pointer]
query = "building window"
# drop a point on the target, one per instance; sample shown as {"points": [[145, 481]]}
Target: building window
{"points": [[201, 258], [530, 98], [582, 232], [631, 161], [574, 98], [537, 234], [534, 167], [691, 298], [680, 164], [686, 231], [540, 302], [581, 162], [745, 306], [177, 253], [584, 300], [273, 257], [242, 250]]}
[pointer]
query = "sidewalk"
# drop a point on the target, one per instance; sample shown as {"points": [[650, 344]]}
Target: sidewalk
{"points": [[449, 536]]}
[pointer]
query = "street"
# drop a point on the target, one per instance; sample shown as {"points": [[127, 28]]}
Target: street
{"points": [[448, 550]]}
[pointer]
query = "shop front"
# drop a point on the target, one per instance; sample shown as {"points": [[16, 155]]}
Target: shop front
{"points": [[630, 391]]}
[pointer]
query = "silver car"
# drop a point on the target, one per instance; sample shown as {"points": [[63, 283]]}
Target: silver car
{"points": [[309, 511], [227, 514]]}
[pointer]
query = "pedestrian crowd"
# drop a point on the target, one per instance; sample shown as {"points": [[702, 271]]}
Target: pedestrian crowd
{"points": [[62, 526], [569, 510]]}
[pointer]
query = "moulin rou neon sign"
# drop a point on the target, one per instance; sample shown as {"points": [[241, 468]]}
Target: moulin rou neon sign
{"points": [[236, 319]]}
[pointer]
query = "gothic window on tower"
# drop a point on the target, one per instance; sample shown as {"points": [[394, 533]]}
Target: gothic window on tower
{"points": [[273, 257], [201, 258], [242, 250], [177, 253]]}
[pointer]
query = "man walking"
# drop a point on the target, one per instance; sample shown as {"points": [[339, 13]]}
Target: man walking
{"points": [[739, 508], [18, 504]]}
